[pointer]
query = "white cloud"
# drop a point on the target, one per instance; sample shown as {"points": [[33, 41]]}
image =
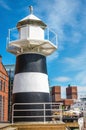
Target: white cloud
{"points": [[81, 91], [52, 57], [76, 63], [63, 12], [81, 77], [62, 79], [59, 13], [70, 14], [4, 5]]}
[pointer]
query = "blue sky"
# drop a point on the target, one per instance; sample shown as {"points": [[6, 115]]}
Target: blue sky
{"points": [[67, 65]]}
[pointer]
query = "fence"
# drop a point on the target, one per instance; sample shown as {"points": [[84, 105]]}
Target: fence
{"points": [[54, 108], [14, 34]]}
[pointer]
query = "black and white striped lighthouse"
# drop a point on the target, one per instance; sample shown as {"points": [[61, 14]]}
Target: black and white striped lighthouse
{"points": [[31, 79]]}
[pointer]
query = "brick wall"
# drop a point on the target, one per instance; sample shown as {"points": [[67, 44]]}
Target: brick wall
{"points": [[4, 80], [56, 93], [71, 92]]}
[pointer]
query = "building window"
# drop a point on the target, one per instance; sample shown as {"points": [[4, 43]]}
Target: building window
{"points": [[4, 87], [1, 85], [3, 106], [0, 108]]}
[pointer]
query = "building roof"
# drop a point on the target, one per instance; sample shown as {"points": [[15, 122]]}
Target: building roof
{"points": [[31, 16], [31, 19], [2, 69]]}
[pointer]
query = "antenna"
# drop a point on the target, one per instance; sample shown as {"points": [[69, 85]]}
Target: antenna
{"points": [[31, 9]]}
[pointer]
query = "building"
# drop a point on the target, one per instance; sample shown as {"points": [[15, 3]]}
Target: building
{"points": [[67, 103], [56, 97], [10, 70], [71, 92], [4, 81], [56, 93], [80, 103]]}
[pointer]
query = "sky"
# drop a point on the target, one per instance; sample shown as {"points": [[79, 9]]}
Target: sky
{"points": [[67, 65]]}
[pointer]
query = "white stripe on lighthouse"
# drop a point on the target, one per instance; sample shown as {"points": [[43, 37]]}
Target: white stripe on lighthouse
{"points": [[31, 82]]}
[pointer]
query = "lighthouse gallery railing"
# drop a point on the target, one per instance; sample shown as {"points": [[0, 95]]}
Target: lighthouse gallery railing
{"points": [[55, 108], [49, 34]]}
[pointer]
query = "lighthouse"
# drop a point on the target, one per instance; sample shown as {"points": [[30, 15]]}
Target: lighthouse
{"points": [[30, 87]]}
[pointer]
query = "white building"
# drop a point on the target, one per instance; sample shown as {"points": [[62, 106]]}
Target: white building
{"points": [[80, 103]]}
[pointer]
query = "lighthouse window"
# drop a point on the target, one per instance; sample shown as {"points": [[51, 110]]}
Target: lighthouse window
{"points": [[24, 32]]}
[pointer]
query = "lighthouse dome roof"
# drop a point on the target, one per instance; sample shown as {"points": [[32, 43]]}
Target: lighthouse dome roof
{"points": [[31, 19], [31, 16]]}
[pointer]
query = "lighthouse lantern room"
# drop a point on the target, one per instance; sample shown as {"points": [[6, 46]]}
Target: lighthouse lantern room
{"points": [[31, 80], [33, 36]]}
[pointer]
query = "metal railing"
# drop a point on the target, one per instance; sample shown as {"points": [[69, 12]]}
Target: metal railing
{"points": [[14, 34], [54, 108]]}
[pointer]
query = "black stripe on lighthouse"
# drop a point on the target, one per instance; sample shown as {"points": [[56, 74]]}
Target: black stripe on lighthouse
{"points": [[30, 82]]}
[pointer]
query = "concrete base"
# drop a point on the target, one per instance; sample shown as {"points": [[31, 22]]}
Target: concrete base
{"points": [[40, 126]]}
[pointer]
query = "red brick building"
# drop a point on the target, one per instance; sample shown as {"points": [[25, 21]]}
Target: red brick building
{"points": [[4, 80], [71, 92], [67, 103], [56, 93]]}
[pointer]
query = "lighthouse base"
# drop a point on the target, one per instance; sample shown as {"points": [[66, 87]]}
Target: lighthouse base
{"points": [[32, 109], [31, 94]]}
